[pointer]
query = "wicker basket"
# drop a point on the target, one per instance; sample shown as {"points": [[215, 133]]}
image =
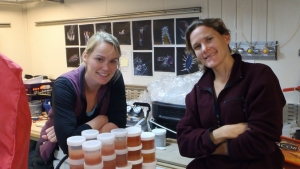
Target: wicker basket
{"points": [[134, 91]]}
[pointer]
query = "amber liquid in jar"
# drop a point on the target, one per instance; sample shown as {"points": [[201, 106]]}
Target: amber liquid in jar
{"points": [[108, 149], [148, 144], [81, 166], [137, 166], [148, 158], [92, 158], [76, 153], [121, 160], [109, 164], [120, 144], [134, 141], [134, 155]]}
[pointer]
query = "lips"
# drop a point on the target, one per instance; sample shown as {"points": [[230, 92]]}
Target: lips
{"points": [[103, 74], [208, 56]]}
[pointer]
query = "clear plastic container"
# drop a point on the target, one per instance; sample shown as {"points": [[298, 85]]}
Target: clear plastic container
{"points": [[147, 139], [134, 136], [160, 137], [90, 134], [120, 138], [108, 147], [128, 166], [137, 164], [148, 155], [121, 158], [98, 166], [109, 162], [134, 153], [76, 164], [75, 147], [149, 165], [92, 152]]}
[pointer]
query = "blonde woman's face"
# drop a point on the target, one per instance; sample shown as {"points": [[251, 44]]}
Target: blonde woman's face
{"points": [[210, 47], [101, 64]]}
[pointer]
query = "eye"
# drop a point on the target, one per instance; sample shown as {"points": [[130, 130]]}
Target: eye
{"points": [[100, 59], [197, 47], [209, 39], [115, 61]]}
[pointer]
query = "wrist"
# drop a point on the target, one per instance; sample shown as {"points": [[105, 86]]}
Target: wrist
{"points": [[217, 135]]}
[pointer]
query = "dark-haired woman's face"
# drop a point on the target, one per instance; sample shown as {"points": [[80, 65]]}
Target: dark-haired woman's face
{"points": [[210, 47]]}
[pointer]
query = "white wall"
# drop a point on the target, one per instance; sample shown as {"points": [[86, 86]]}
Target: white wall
{"points": [[247, 19]]}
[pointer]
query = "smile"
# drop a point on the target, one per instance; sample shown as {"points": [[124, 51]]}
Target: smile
{"points": [[210, 55], [101, 74]]}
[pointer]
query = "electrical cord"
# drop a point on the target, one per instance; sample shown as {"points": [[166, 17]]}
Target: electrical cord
{"points": [[61, 161]]}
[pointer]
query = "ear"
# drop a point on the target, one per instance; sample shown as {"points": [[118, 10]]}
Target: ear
{"points": [[84, 57], [227, 38]]}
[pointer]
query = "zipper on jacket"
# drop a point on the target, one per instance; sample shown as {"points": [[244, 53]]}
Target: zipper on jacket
{"points": [[234, 98]]}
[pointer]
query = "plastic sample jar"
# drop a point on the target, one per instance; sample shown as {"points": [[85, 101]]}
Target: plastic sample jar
{"points": [[147, 139], [121, 158], [149, 165], [137, 164], [98, 166], [90, 134], [109, 162], [108, 147], [160, 137], [75, 147], [134, 136], [148, 156], [92, 152], [128, 166], [120, 138], [76, 164], [134, 153]]}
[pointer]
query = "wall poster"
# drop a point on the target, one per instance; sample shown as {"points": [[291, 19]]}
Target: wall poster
{"points": [[121, 30], [72, 57], [71, 35], [142, 35], [181, 26], [105, 27], [186, 64], [163, 31], [164, 59], [142, 63], [86, 31]]}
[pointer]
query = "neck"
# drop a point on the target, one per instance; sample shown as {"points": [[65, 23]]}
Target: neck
{"points": [[222, 73], [90, 87]]}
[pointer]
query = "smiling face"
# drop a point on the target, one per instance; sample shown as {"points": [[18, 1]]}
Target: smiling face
{"points": [[210, 47], [101, 64]]}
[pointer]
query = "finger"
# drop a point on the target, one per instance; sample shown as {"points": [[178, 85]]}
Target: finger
{"points": [[45, 137], [49, 129], [53, 139]]}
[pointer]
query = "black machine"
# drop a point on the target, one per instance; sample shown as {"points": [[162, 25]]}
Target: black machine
{"points": [[167, 115], [136, 115]]}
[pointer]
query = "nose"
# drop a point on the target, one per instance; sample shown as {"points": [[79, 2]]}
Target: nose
{"points": [[204, 48], [105, 65]]}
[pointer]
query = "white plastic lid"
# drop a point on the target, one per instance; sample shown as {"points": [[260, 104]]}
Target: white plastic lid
{"points": [[90, 133], [120, 152], [136, 161], [75, 162], [135, 148], [91, 145], [98, 166], [147, 136], [133, 131], [75, 140], [149, 164], [106, 138], [109, 158], [129, 166], [119, 132], [148, 151], [159, 131]]}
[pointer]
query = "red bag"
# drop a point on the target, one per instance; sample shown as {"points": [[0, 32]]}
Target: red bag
{"points": [[15, 117]]}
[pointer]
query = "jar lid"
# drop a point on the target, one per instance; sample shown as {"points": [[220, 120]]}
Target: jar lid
{"points": [[129, 166], [97, 166], [135, 148], [136, 161], [147, 136], [90, 133], [119, 132], [106, 138], [109, 158], [75, 162], [148, 151], [159, 131], [91, 145], [120, 152], [133, 131], [149, 164], [75, 140]]}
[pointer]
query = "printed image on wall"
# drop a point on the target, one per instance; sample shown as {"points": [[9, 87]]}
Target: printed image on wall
{"points": [[181, 26], [71, 35], [164, 59], [163, 31], [72, 57], [121, 30], [105, 27], [186, 64], [81, 52], [86, 32], [142, 35], [142, 63]]}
